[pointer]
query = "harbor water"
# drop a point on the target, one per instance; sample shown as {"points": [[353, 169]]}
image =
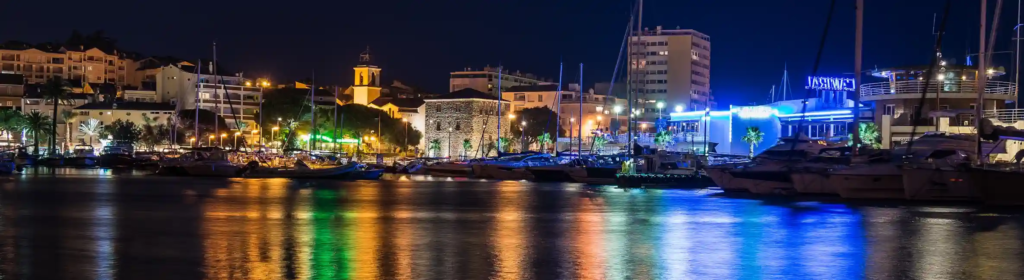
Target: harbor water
{"points": [[101, 224]]}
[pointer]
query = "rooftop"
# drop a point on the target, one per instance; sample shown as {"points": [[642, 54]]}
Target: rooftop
{"points": [[134, 106], [466, 93], [399, 102]]}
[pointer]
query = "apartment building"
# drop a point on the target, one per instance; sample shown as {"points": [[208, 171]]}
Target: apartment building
{"points": [[44, 61], [486, 80], [670, 66], [12, 88], [225, 93], [598, 109]]}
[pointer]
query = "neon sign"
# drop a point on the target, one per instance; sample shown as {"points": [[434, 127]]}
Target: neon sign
{"points": [[754, 112], [830, 83]]}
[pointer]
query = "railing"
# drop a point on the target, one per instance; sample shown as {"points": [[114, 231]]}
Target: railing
{"points": [[1006, 115], [229, 87], [948, 86]]}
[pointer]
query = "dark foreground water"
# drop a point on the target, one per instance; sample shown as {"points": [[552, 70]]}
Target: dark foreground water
{"points": [[102, 226]]}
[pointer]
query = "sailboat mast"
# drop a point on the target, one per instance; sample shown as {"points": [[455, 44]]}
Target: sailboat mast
{"points": [[334, 133], [772, 95], [499, 110], [981, 80], [579, 143], [858, 43], [312, 113], [198, 74], [558, 108], [216, 84]]}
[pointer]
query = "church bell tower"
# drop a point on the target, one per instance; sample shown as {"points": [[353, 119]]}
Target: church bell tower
{"points": [[366, 83]]}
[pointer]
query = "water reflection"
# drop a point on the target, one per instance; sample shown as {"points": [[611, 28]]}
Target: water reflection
{"points": [[81, 227]]}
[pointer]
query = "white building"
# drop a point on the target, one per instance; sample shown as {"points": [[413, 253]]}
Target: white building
{"points": [[671, 66], [227, 95], [486, 80]]}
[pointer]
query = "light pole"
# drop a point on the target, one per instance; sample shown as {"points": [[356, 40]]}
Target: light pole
{"points": [[192, 142], [449, 144], [406, 147], [209, 143], [522, 135], [222, 136], [660, 106], [254, 131], [236, 139], [617, 109], [571, 121], [274, 138], [511, 117]]}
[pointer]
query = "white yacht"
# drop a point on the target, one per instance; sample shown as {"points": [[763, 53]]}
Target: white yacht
{"points": [[511, 167], [768, 172], [937, 167]]}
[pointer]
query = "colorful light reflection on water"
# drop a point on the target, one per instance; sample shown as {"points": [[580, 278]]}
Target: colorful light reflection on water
{"points": [[104, 227]]}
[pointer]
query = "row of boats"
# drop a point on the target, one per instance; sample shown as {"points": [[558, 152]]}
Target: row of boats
{"points": [[936, 167], [218, 163]]}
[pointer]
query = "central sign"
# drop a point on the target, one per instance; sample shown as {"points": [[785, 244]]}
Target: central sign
{"points": [[830, 83]]}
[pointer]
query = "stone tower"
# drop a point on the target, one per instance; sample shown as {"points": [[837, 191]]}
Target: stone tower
{"points": [[366, 82]]}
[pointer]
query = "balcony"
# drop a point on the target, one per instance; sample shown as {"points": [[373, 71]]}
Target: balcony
{"points": [[1006, 115], [949, 89], [228, 87]]}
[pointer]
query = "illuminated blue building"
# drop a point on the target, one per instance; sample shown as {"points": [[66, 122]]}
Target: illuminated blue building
{"points": [[827, 115]]}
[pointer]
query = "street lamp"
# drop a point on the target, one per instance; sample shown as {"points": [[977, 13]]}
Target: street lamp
{"points": [[679, 108], [209, 143], [450, 144], [192, 142], [222, 136], [522, 135], [660, 105], [571, 120], [236, 139], [254, 131], [406, 147]]}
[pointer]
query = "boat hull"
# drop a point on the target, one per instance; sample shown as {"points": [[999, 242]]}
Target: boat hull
{"points": [[999, 187], [595, 175], [812, 183], [80, 161], [449, 171], [936, 184], [721, 177], [115, 160], [333, 172], [870, 182], [499, 172], [773, 181], [554, 173], [212, 170]]}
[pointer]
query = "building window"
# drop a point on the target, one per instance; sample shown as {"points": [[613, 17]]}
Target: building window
{"points": [[438, 126], [943, 107], [973, 105], [128, 114], [890, 109], [540, 98], [457, 126]]}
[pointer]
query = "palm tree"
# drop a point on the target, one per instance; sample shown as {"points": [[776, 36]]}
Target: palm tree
{"points": [[91, 128], [466, 146], [544, 139], [868, 135], [11, 121], [598, 144], [55, 90], [753, 137], [69, 117], [435, 146], [662, 138], [36, 123]]}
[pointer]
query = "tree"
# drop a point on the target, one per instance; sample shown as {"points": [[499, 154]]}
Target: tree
{"points": [[868, 136], [598, 144], [69, 117], [11, 121], [753, 137], [539, 120], [37, 124], [663, 139], [91, 128], [434, 146], [55, 90], [503, 144], [152, 132], [544, 139], [466, 146], [124, 132]]}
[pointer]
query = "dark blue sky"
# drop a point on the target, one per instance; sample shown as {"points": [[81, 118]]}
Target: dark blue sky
{"points": [[420, 42]]}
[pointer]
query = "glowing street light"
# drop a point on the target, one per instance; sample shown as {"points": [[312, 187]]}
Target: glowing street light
{"points": [[248, 83], [236, 139], [222, 136], [210, 142], [511, 116], [679, 108], [192, 141], [617, 109]]}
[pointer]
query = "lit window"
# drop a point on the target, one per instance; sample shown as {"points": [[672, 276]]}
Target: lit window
{"points": [[890, 109], [693, 54]]}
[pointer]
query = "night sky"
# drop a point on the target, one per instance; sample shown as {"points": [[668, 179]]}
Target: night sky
{"points": [[420, 42]]}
